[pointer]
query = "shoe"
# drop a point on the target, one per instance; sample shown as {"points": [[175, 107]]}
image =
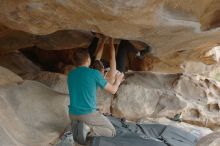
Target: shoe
{"points": [[82, 132], [139, 55], [74, 126], [178, 117], [142, 53]]}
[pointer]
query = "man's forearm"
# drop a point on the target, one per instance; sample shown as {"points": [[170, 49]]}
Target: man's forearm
{"points": [[112, 88], [116, 85], [99, 50]]}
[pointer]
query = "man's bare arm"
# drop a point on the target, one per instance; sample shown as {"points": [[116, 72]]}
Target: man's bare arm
{"points": [[113, 88], [100, 49], [112, 59]]}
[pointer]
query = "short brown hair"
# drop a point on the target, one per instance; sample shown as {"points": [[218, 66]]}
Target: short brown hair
{"points": [[97, 64], [80, 56]]}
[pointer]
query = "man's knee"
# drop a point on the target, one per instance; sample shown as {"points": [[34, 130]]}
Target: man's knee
{"points": [[104, 131], [111, 132]]}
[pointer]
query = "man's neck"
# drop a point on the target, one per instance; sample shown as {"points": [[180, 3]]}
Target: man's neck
{"points": [[84, 65]]}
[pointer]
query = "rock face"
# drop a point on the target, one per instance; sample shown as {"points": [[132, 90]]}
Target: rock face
{"points": [[210, 140], [7, 77], [164, 95], [55, 81], [175, 30], [19, 64], [66, 39], [38, 17], [40, 113], [53, 60], [184, 62], [31, 114]]}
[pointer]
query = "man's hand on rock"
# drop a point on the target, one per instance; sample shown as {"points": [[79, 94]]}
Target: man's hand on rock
{"points": [[119, 77]]}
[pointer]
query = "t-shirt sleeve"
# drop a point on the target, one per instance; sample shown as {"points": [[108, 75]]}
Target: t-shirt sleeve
{"points": [[100, 80]]}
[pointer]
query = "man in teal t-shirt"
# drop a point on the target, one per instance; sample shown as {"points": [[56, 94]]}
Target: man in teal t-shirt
{"points": [[83, 83]]}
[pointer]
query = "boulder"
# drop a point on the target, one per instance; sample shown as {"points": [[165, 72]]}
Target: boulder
{"points": [[55, 81], [104, 101], [146, 94], [7, 77], [212, 139], [174, 30], [11, 40], [38, 17], [31, 114], [165, 95], [18, 63], [64, 39]]}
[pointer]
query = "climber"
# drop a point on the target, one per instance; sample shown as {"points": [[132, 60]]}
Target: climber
{"points": [[97, 64], [82, 85], [93, 45], [126, 46]]}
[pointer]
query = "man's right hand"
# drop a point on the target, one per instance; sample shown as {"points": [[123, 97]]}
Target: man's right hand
{"points": [[119, 77], [112, 88]]}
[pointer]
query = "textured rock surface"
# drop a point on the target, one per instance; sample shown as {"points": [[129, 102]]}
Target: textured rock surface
{"points": [[14, 39], [37, 17], [65, 39], [19, 64], [104, 101], [143, 96], [53, 60], [164, 95], [183, 35], [171, 28], [55, 81], [31, 114], [7, 77], [210, 140]]}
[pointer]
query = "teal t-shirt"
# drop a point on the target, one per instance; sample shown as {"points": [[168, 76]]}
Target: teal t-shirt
{"points": [[82, 84]]}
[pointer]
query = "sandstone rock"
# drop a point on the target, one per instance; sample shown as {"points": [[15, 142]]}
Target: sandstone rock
{"points": [[168, 26], [26, 14], [7, 77], [198, 68], [210, 140], [200, 60], [185, 49], [65, 39], [104, 101], [31, 114], [203, 94], [18, 63], [14, 39], [164, 95], [52, 60], [171, 28], [55, 81], [205, 62], [145, 94]]}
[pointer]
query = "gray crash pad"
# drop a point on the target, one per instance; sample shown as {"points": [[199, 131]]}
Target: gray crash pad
{"points": [[130, 134]]}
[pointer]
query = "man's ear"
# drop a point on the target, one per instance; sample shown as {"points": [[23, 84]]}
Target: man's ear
{"points": [[89, 60]]}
